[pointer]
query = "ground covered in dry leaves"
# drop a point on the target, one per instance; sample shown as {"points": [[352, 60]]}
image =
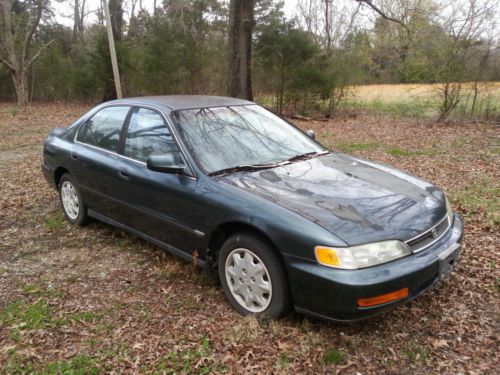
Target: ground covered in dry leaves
{"points": [[97, 300]]}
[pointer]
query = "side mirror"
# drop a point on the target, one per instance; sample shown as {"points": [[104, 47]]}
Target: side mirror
{"points": [[311, 134], [167, 163]]}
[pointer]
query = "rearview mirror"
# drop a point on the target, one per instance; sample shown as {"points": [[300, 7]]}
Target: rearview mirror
{"points": [[311, 134], [167, 163]]}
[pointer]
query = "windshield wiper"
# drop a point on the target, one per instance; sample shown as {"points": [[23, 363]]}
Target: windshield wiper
{"points": [[240, 168], [256, 167], [307, 155]]}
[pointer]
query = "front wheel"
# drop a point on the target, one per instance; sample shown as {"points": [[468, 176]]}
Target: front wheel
{"points": [[71, 201], [253, 277]]}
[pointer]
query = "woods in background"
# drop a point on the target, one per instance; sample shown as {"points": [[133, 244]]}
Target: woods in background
{"points": [[305, 65]]}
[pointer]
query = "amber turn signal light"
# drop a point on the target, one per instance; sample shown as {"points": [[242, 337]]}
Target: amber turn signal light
{"points": [[383, 298]]}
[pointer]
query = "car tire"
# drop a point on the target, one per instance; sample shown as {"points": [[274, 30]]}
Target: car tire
{"points": [[71, 201], [253, 276]]}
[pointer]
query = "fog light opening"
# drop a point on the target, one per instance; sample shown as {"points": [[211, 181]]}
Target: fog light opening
{"points": [[383, 298]]}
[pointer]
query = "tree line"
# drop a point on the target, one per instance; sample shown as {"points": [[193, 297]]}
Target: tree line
{"points": [[248, 48]]}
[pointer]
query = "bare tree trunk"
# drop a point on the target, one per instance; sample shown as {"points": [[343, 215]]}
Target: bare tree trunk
{"points": [[474, 98], [309, 18], [451, 93], [78, 18], [241, 22], [17, 36], [20, 80], [132, 11], [115, 8], [328, 32]]}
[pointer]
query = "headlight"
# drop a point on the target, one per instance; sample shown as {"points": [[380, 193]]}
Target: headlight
{"points": [[361, 256], [449, 210]]}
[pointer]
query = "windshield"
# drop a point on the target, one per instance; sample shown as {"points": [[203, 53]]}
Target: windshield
{"points": [[225, 137]]}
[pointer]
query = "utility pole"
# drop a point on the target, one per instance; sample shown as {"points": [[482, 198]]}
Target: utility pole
{"points": [[112, 52]]}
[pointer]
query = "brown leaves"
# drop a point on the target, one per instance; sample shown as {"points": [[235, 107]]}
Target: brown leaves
{"points": [[439, 343], [130, 307]]}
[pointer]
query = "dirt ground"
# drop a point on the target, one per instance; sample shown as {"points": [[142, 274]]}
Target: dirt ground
{"points": [[97, 300]]}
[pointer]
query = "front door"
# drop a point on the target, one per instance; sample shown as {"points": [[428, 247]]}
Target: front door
{"points": [[160, 205]]}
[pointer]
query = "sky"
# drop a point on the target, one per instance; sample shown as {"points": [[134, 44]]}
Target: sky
{"points": [[63, 9]]}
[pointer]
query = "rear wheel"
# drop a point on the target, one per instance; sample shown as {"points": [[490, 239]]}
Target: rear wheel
{"points": [[253, 277], [71, 201]]}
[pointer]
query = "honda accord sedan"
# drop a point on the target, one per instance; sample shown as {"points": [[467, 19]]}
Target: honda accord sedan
{"points": [[282, 222]]}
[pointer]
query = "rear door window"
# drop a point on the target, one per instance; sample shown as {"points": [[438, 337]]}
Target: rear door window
{"points": [[104, 128]]}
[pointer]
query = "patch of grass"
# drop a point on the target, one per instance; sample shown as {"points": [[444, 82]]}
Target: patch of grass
{"points": [[167, 270], [185, 360], [380, 343], [118, 305], [24, 315], [189, 303], [32, 289], [91, 343], [15, 335], [496, 286], [81, 364], [73, 278], [310, 341], [23, 253], [39, 290], [400, 152], [284, 360], [14, 111], [17, 363], [86, 316], [3, 270], [481, 198], [416, 354], [333, 357], [55, 221], [245, 331], [105, 328], [409, 107], [200, 277], [353, 147]]}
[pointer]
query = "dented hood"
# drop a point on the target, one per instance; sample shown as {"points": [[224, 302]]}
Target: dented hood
{"points": [[357, 200]]}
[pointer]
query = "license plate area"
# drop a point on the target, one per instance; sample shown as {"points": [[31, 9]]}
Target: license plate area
{"points": [[448, 259]]}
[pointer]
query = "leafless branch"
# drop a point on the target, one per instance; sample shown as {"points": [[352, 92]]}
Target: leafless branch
{"points": [[29, 34], [35, 56], [7, 63], [7, 43], [370, 4]]}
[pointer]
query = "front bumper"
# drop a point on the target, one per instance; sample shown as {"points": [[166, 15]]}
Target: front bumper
{"points": [[332, 294]]}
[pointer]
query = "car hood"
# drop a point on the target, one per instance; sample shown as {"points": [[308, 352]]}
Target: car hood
{"points": [[357, 200]]}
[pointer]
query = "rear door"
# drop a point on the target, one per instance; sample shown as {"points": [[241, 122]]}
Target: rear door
{"points": [[95, 159], [160, 205]]}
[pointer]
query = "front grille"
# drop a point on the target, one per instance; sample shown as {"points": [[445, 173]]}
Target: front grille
{"points": [[430, 236]]}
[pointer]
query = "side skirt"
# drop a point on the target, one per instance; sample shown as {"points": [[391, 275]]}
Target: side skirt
{"points": [[171, 249]]}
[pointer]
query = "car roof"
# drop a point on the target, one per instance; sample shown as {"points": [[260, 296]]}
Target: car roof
{"points": [[175, 102]]}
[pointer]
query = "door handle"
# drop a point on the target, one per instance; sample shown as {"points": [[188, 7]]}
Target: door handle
{"points": [[123, 174], [74, 156]]}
